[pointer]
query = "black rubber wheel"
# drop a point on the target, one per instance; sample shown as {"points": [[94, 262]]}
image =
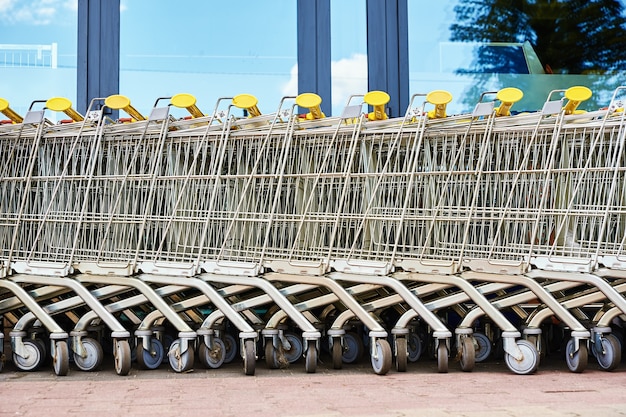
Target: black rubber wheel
{"points": [[337, 351], [401, 354], [249, 358]]}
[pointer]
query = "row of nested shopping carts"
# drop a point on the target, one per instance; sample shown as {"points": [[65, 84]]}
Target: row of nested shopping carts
{"points": [[284, 235]]}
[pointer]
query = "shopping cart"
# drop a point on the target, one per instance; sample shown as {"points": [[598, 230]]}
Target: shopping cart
{"points": [[190, 231], [199, 176], [585, 231], [26, 194], [529, 228], [318, 168], [395, 205]]}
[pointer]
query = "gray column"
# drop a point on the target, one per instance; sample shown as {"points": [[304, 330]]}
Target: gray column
{"points": [[98, 66], [388, 52], [314, 50]]}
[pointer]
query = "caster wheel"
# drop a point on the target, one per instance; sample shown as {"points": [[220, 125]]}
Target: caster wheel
{"points": [[122, 357], [295, 351], [415, 347], [337, 352], [401, 354], [576, 361], [467, 354], [271, 355], [249, 357], [442, 357], [93, 355], [150, 359], [232, 347], [32, 358], [611, 355], [212, 358], [483, 349], [180, 361], [352, 348], [382, 362], [61, 359], [528, 363], [310, 363]]}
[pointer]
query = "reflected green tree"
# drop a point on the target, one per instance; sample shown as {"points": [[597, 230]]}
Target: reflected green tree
{"points": [[568, 36]]}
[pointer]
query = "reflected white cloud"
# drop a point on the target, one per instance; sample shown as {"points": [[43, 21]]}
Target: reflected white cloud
{"points": [[349, 76], [36, 12], [6, 5]]}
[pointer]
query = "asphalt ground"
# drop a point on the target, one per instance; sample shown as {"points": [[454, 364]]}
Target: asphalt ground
{"points": [[491, 389]]}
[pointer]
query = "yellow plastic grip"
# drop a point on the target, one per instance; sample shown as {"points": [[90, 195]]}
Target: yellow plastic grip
{"points": [[508, 96], [377, 99], [120, 102], [440, 99], [186, 101], [576, 95], [248, 102], [8, 112], [64, 105], [312, 102]]}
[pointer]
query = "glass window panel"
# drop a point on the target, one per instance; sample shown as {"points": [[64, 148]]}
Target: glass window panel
{"points": [[348, 51], [471, 46], [37, 52], [208, 49]]}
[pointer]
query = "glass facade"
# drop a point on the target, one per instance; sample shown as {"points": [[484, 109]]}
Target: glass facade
{"points": [[219, 50]]}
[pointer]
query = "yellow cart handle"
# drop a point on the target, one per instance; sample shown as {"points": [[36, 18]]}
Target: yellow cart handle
{"points": [[247, 102], [440, 99], [120, 102], [508, 96], [312, 102], [576, 95], [9, 113], [64, 105], [377, 99], [187, 101]]}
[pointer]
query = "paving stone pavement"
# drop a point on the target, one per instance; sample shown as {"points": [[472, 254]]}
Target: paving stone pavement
{"points": [[490, 390]]}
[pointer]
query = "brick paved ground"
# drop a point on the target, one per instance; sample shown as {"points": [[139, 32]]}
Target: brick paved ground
{"points": [[490, 390]]}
